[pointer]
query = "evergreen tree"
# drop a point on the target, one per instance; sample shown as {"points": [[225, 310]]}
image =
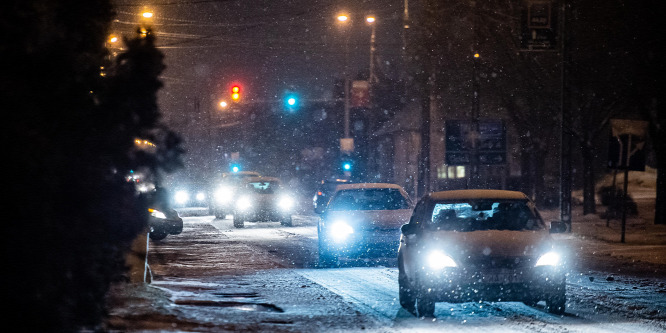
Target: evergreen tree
{"points": [[69, 135]]}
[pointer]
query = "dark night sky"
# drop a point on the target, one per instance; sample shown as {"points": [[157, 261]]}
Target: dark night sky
{"points": [[267, 46]]}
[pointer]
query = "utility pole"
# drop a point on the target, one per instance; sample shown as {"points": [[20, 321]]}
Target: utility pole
{"points": [[565, 124], [474, 181]]}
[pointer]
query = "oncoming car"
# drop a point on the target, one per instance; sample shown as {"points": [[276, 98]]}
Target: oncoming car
{"points": [[263, 199], [189, 196], [324, 191], [362, 220], [478, 245], [225, 191]]}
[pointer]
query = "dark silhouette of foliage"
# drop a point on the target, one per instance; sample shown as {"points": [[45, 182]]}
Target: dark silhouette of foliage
{"points": [[69, 138]]}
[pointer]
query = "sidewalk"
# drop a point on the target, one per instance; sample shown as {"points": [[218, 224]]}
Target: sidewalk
{"points": [[598, 247]]}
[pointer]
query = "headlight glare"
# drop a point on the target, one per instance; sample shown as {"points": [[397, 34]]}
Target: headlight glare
{"points": [[438, 260], [223, 194], [201, 196], [340, 230], [548, 259], [156, 213], [244, 203], [286, 203], [181, 197]]}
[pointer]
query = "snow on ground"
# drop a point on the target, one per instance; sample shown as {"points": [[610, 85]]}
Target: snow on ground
{"points": [[612, 286]]}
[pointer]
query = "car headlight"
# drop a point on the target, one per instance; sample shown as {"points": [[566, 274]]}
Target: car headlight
{"points": [[244, 203], [286, 203], [340, 230], [438, 260], [201, 196], [548, 259], [156, 213], [224, 194], [181, 197]]}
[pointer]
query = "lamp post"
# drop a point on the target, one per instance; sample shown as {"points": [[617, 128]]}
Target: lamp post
{"points": [[344, 19], [371, 20]]}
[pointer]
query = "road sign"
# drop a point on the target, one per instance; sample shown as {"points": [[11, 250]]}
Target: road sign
{"points": [[360, 94], [627, 144], [464, 142], [539, 32]]}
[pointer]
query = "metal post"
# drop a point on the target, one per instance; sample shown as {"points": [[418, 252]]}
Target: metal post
{"points": [[624, 202], [474, 175], [346, 120], [372, 77], [565, 138]]}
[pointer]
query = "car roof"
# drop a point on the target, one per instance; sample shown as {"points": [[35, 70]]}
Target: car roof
{"points": [[242, 173], [356, 186], [477, 194], [336, 181], [262, 179]]}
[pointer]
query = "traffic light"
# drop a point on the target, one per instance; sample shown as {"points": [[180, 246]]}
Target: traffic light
{"points": [[291, 102], [235, 93], [347, 166], [235, 167]]}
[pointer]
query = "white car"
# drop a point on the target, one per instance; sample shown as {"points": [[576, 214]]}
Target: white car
{"points": [[479, 245], [362, 220]]}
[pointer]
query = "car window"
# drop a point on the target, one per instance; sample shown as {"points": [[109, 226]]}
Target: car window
{"points": [[485, 215], [369, 199], [263, 187]]}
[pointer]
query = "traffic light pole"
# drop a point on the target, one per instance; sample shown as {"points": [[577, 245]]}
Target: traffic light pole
{"points": [[346, 120], [565, 126]]}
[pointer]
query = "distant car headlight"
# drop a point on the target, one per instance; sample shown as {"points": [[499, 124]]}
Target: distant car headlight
{"points": [[340, 230], [181, 197], [286, 203], [244, 203], [200, 196], [156, 213], [548, 259], [224, 194], [438, 260]]}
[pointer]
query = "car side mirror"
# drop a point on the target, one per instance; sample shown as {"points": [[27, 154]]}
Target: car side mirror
{"points": [[409, 229], [557, 227]]}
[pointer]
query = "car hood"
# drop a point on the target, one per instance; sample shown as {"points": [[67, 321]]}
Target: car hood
{"points": [[490, 243], [372, 219]]}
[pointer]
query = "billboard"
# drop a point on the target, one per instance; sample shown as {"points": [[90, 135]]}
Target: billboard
{"points": [[465, 144]]}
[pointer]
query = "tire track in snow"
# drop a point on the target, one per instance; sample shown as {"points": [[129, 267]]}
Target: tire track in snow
{"points": [[375, 294]]}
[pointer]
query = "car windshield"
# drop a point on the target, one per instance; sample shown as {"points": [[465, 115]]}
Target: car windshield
{"points": [[369, 199], [263, 187], [485, 215]]}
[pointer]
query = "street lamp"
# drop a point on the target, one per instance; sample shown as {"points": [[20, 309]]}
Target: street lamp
{"points": [[474, 175], [343, 19], [371, 20], [145, 22]]}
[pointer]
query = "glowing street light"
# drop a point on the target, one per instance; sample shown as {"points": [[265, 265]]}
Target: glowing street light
{"points": [[343, 18], [224, 104], [147, 15]]}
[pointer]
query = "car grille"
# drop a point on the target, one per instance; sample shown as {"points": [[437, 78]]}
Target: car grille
{"points": [[484, 263]]}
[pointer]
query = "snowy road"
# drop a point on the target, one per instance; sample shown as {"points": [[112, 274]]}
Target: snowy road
{"points": [[264, 278]]}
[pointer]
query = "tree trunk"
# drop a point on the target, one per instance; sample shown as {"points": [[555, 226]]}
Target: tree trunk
{"points": [[589, 204], [660, 206]]}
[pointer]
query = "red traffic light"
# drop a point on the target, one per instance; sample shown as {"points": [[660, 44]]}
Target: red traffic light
{"points": [[235, 92]]}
